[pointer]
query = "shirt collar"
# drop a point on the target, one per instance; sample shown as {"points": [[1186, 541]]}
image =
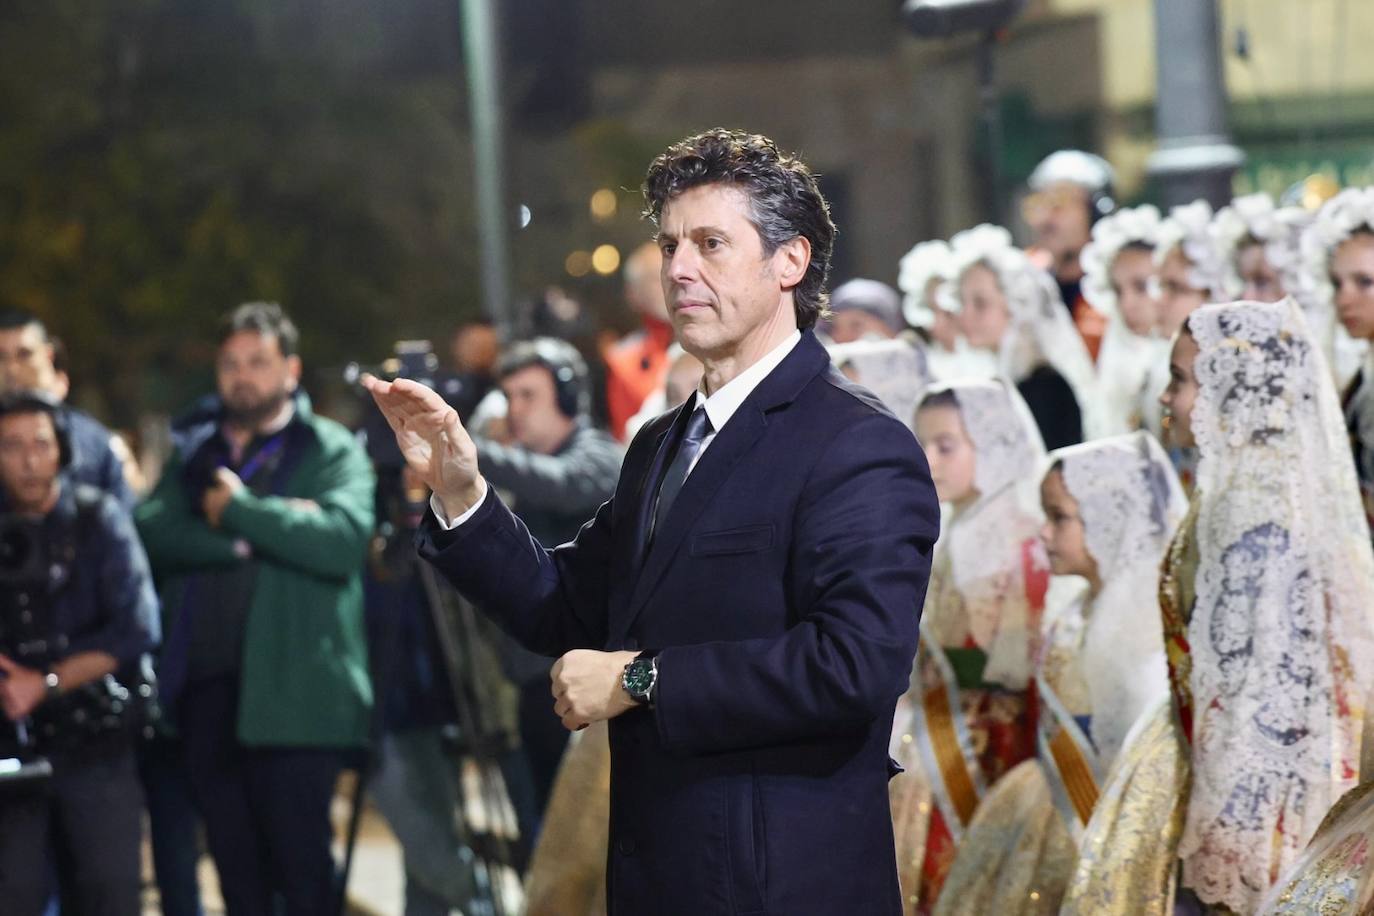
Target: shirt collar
{"points": [[721, 406]]}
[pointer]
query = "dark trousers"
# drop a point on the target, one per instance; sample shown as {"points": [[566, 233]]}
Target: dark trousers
{"points": [[173, 826], [89, 820], [266, 810]]}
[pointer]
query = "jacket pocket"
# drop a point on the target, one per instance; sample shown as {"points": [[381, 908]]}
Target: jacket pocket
{"points": [[734, 540], [745, 851]]}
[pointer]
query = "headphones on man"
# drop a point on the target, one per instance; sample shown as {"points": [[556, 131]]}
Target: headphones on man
{"points": [[38, 402], [1090, 172], [564, 363]]}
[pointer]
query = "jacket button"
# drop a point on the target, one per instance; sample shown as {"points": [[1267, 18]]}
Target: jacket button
{"points": [[631, 644], [626, 845]]}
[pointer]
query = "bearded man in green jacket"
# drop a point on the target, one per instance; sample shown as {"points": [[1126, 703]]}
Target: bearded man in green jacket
{"points": [[258, 532]]}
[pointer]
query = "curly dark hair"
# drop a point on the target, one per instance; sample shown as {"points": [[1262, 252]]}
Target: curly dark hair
{"points": [[265, 318], [784, 199]]}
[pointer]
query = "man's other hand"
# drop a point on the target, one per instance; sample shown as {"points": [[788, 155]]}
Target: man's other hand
{"points": [[21, 689], [218, 495], [586, 687], [432, 439]]}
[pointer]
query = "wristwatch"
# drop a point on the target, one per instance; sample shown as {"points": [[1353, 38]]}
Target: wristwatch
{"points": [[53, 685], [640, 678]]}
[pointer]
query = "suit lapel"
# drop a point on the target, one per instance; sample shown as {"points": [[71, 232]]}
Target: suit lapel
{"points": [[664, 446], [726, 449]]}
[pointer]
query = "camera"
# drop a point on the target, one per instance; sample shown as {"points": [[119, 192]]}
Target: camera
{"points": [[21, 555], [36, 566], [24, 638]]}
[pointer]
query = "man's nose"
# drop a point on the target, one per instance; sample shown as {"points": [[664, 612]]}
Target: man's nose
{"points": [[682, 266]]}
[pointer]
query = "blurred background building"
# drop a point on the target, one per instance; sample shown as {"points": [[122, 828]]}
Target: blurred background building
{"points": [[161, 158]]}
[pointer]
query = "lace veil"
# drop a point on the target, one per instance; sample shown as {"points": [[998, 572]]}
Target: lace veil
{"points": [[1133, 370], [1042, 330], [926, 261], [894, 370], [983, 543], [1340, 217], [1189, 228], [1131, 502], [1280, 632]]}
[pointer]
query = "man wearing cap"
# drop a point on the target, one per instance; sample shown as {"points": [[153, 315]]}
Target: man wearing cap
{"points": [[1069, 191], [864, 309]]}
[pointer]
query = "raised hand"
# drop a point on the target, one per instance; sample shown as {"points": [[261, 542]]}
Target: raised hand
{"points": [[432, 440]]}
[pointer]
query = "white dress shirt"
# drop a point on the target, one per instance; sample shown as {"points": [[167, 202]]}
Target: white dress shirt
{"points": [[720, 407]]}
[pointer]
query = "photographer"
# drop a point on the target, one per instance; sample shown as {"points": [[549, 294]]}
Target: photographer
{"points": [[258, 532], [76, 606], [27, 363]]}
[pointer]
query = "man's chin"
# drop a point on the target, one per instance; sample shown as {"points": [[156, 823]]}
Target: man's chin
{"points": [[250, 415], [695, 338]]}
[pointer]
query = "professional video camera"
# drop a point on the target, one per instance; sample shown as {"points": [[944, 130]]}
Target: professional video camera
{"points": [[463, 638], [34, 569]]}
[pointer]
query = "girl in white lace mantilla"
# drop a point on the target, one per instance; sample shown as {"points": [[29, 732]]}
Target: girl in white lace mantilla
{"points": [[1338, 271], [1261, 245], [1269, 661], [895, 370], [1189, 267], [1111, 508], [921, 273], [1009, 306], [1133, 363], [982, 610]]}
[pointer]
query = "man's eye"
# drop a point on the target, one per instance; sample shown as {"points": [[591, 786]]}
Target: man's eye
{"points": [[713, 244], [668, 250]]}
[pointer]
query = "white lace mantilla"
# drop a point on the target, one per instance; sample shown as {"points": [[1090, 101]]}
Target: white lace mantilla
{"points": [[1131, 502], [1042, 330], [1280, 631]]}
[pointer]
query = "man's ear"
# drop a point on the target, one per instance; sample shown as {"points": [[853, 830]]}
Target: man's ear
{"points": [[293, 371], [791, 260]]}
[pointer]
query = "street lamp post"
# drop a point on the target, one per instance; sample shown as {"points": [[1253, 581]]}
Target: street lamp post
{"points": [[1195, 157], [483, 52]]}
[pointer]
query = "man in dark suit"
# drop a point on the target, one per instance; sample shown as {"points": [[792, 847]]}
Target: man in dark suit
{"points": [[744, 609]]}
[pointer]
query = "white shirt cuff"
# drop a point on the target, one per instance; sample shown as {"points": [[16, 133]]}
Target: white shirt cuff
{"points": [[447, 522]]}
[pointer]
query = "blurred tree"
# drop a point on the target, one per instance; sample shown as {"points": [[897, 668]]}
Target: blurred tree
{"points": [[163, 160]]}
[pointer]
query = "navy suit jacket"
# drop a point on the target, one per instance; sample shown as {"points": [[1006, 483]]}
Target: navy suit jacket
{"points": [[782, 591]]}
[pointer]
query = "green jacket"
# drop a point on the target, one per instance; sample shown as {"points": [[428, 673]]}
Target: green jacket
{"points": [[304, 677]]}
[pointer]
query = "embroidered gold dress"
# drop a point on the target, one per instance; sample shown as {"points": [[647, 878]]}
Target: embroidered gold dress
{"points": [[1266, 609], [1100, 670], [968, 721], [1129, 851]]}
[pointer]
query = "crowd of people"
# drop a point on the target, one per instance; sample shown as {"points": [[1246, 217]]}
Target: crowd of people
{"points": [[209, 654], [1140, 685], [1138, 688], [1128, 699]]}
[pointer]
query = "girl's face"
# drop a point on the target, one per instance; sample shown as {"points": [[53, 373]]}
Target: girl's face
{"points": [[1178, 398], [1130, 278], [1352, 275], [1262, 282], [1178, 298], [984, 316], [1063, 533], [950, 452]]}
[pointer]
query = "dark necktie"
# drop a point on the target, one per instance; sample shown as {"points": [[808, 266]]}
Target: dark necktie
{"points": [[698, 428]]}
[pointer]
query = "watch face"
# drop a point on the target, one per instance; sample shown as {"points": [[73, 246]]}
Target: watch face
{"points": [[639, 677]]}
